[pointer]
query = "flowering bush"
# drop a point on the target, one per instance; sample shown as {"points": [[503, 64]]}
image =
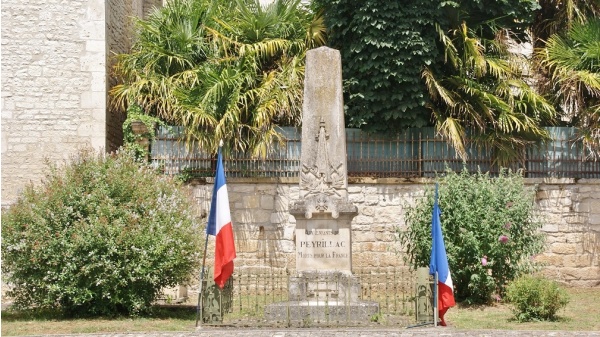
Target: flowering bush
{"points": [[490, 231], [102, 235]]}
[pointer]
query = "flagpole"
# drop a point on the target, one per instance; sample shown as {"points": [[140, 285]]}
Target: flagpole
{"points": [[435, 299], [199, 307], [435, 276]]}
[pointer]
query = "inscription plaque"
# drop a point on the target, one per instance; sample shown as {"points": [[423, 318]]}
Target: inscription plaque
{"points": [[324, 244]]}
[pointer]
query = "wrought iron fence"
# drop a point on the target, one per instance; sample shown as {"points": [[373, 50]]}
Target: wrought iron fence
{"points": [[170, 153], [414, 153], [250, 295]]}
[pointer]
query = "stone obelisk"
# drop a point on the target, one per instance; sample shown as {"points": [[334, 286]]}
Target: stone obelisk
{"points": [[323, 287], [323, 213]]}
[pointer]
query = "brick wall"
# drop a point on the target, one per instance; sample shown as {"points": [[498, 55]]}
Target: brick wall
{"points": [[264, 229]]}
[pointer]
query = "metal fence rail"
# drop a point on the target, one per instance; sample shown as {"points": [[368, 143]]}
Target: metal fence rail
{"points": [[250, 293], [414, 153]]}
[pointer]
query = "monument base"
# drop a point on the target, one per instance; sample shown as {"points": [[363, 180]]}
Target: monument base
{"points": [[331, 286], [321, 311], [323, 296]]}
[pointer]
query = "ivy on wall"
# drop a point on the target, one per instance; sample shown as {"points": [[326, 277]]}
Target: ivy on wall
{"points": [[384, 45]]}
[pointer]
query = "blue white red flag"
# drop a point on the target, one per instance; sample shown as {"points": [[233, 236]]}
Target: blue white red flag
{"points": [[219, 225], [439, 263]]}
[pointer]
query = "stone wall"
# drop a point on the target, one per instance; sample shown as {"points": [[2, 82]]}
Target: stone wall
{"points": [[264, 230], [55, 77], [53, 85], [119, 38], [572, 211]]}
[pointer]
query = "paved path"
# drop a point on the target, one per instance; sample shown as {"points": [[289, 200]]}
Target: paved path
{"points": [[340, 332], [386, 332]]}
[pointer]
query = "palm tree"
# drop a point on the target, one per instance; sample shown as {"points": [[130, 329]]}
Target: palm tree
{"points": [[572, 60], [234, 72], [556, 16], [164, 59], [480, 89], [261, 69]]}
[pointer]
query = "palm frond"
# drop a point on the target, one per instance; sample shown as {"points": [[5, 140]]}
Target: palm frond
{"points": [[436, 90], [473, 51], [452, 129], [450, 51], [498, 67], [487, 95]]}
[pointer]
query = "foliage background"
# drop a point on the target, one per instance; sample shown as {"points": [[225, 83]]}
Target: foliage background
{"points": [[385, 46], [534, 298], [396, 69]]}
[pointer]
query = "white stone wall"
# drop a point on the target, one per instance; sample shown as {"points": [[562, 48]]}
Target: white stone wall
{"points": [[264, 229], [53, 85], [55, 79]]}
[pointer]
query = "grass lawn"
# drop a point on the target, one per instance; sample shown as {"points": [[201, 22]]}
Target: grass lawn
{"points": [[43, 323], [581, 314]]}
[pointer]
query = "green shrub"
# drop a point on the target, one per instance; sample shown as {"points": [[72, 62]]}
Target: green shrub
{"points": [[536, 298], [490, 231], [102, 235]]}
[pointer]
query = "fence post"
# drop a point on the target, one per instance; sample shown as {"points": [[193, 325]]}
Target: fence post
{"points": [[420, 156]]}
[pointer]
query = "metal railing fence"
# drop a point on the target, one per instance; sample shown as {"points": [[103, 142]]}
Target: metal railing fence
{"points": [[250, 294], [414, 153]]}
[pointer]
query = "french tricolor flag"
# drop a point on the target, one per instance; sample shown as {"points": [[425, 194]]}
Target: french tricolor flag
{"points": [[219, 225], [438, 263]]}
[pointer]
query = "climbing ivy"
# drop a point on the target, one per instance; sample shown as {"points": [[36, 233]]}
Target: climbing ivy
{"points": [[385, 46]]}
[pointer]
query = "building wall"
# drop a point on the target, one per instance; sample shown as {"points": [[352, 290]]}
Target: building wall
{"points": [[119, 38], [53, 85], [572, 212], [264, 229], [55, 77]]}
